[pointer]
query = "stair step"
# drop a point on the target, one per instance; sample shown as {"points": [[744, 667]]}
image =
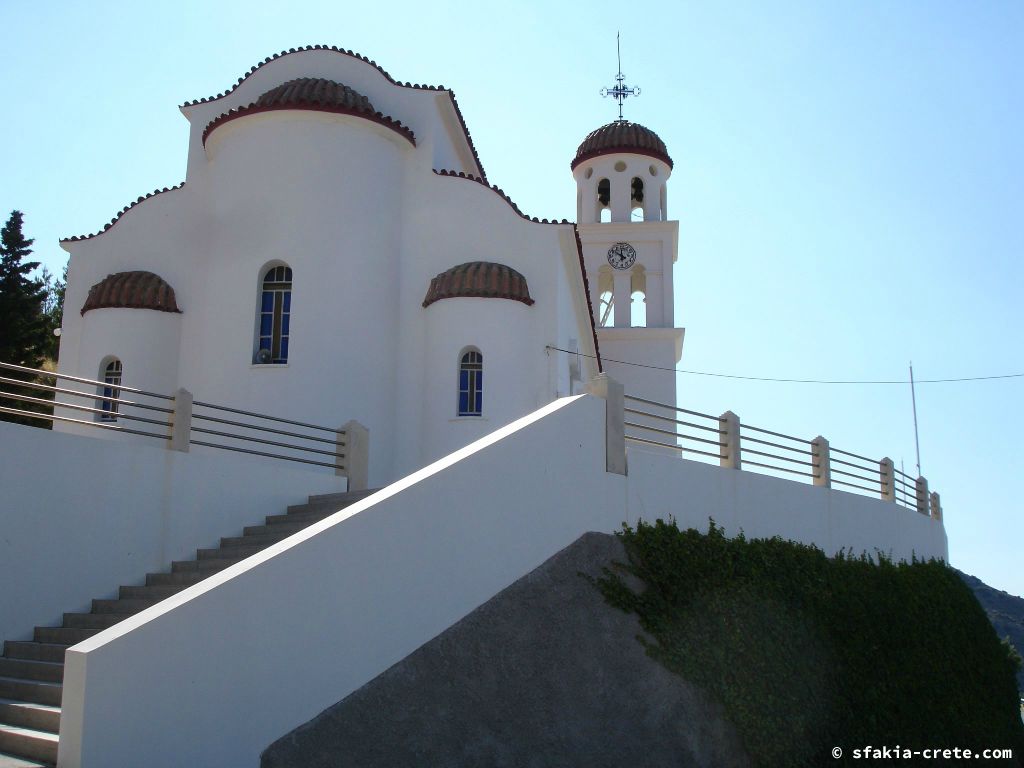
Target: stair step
{"points": [[27, 714], [344, 499], [282, 529], [154, 592], [27, 742], [23, 669], [92, 620], [32, 651], [262, 540], [10, 761], [122, 606], [306, 517], [62, 635], [203, 566], [228, 553], [178, 580], [30, 690]]}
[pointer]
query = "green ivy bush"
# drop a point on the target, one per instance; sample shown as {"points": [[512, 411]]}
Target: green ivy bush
{"points": [[807, 652]]}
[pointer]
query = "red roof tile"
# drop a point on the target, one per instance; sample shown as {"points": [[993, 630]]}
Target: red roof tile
{"points": [[480, 279], [135, 290], [622, 136]]}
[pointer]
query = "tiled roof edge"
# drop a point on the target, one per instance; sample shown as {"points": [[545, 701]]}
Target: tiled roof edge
{"points": [[121, 213], [500, 192], [252, 109], [622, 151], [360, 57]]}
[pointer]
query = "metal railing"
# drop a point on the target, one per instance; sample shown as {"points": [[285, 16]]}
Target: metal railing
{"points": [[724, 439], [182, 422]]}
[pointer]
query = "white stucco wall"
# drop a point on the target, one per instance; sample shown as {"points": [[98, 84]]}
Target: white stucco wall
{"points": [[252, 652], [761, 506], [81, 516], [214, 674]]}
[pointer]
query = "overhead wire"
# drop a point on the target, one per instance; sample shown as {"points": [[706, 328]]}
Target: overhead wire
{"points": [[789, 381]]}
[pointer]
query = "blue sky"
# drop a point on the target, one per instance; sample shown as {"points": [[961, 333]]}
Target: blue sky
{"points": [[849, 181]]}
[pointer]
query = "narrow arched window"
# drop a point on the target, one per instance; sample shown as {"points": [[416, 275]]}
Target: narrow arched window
{"points": [[274, 316], [110, 391], [471, 383]]}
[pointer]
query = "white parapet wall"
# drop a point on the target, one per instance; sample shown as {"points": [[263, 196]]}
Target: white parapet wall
{"points": [[761, 506], [80, 516], [216, 673]]}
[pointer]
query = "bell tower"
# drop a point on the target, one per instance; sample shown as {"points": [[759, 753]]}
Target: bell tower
{"points": [[629, 249]]}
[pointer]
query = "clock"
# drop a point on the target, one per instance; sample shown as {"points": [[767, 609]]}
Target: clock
{"points": [[622, 256]]}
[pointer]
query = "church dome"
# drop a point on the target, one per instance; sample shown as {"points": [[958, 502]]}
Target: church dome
{"points": [[134, 290], [479, 279], [315, 91], [622, 136]]}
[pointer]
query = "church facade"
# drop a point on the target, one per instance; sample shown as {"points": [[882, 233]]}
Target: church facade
{"points": [[336, 252]]}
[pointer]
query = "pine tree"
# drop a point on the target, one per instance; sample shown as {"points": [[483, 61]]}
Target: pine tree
{"points": [[24, 326]]}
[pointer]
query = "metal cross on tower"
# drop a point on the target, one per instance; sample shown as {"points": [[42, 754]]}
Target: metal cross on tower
{"points": [[620, 92]]}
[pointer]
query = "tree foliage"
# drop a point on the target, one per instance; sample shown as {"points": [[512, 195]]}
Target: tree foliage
{"points": [[807, 653]]}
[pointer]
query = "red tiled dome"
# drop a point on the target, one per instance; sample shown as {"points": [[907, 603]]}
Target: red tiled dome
{"points": [[480, 279], [134, 290], [315, 90], [623, 137]]}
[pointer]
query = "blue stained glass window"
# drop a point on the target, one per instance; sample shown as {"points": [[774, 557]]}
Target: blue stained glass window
{"points": [[111, 389], [275, 314], [471, 384]]}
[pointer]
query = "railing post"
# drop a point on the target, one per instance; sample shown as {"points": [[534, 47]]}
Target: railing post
{"points": [[357, 455], [820, 456], [936, 507], [887, 479], [181, 426], [729, 441], [609, 390], [921, 488]]}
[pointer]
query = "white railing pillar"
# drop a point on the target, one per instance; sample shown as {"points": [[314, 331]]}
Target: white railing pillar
{"points": [[181, 420], [887, 479], [936, 506], [921, 488], [357, 455], [822, 459], [729, 440], [611, 391]]}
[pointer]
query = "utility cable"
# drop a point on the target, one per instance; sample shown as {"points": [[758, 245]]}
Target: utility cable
{"points": [[788, 381]]}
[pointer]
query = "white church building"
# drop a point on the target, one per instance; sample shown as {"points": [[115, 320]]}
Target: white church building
{"points": [[337, 257], [336, 252]]}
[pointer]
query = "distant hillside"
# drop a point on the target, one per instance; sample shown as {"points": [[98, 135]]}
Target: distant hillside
{"points": [[1005, 611]]}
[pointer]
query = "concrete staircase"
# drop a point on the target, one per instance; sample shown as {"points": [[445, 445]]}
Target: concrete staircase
{"points": [[32, 672]]}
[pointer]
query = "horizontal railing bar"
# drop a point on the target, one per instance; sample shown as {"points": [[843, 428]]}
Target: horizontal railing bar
{"points": [[780, 469], [666, 445], [859, 477], [264, 416], [911, 485], [776, 456], [855, 455], [673, 433], [51, 417], [834, 460], [777, 434], [774, 445], [911, 478], [89, 395], [87, 409], [268, 455], [674, 421], [247, 438], [12, 367], [854, 485], [231, 423], [673, 407]]}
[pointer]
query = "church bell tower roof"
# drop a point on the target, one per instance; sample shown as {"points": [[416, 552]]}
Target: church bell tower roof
{"points": [[622, 136]]}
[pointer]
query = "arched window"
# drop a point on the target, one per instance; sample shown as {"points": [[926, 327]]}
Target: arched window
{"points": [[274, 316], [471, 383], [606, 298], [111, 377]]}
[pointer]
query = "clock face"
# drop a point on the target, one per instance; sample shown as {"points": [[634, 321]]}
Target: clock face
{"points": [[622, 256]]}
